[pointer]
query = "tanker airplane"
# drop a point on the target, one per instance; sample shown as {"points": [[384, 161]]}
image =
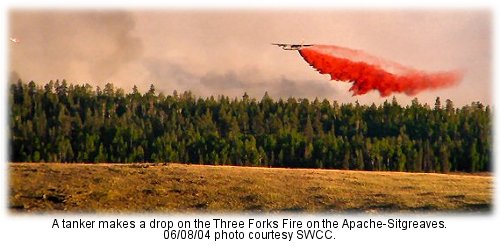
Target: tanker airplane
{"points": [[292, 46]]}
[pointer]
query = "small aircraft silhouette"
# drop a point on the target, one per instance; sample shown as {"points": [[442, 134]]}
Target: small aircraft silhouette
{"points": [[15, 40], [292, 46]]}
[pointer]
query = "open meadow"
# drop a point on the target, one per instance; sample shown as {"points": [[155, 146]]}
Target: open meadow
{"points": [[127, 188]]}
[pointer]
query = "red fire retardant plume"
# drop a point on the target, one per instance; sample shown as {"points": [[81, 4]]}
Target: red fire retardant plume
{"points": [[368, 72]]}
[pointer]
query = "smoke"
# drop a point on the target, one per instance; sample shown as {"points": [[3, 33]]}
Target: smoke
{"points": [[14, 77], [170, 75], [76, 45], [256, 84], [368, 72]]}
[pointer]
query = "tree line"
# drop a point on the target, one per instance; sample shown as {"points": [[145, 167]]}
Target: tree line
{"points": [[61, 122]]}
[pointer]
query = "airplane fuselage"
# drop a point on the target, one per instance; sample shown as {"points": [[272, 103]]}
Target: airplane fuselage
{"points": [[292, 46]]}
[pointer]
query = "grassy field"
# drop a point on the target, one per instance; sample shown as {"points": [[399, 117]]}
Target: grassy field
{"points": [[197, 188]]}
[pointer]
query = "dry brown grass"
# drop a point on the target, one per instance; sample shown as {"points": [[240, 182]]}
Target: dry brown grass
{"points": [[193, 188]]}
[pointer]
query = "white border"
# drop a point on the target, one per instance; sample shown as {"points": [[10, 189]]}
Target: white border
{"points": [[35, 229]]}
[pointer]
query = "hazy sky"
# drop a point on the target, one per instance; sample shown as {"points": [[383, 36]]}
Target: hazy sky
{"points": [[229, 52]]}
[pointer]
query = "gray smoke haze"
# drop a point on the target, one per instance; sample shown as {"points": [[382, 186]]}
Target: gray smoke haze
{"points": [[78, 46], [95, 47], [283, 87], [169, 76], [14, 77]]}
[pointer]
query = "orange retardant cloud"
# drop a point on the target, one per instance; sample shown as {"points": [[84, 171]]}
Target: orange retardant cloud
{"points": [[369, 73]]}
